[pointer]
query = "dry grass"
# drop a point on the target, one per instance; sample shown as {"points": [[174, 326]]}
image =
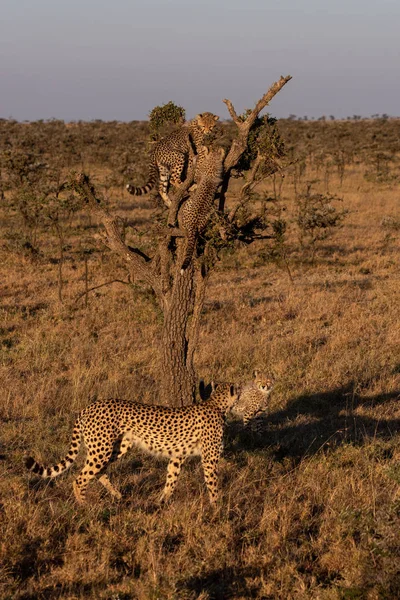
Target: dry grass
{"points": [[309, 510]]}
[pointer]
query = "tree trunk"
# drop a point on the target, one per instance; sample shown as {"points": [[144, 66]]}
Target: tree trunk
{"points": [[178, 376]]}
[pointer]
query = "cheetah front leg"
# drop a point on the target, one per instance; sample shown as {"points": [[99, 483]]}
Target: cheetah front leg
{"points": [[210, 460], [173, 470], [254, 422]]}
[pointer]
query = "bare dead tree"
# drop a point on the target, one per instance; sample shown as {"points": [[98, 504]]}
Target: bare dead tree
{"points": [[181, 295]]}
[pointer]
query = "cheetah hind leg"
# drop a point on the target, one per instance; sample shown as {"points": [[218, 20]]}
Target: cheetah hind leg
{"points": [[77, 493], [173, 470], [104, 480], [92, 468], [210, 461], [118, 451], [171, 176], [164, 181]]}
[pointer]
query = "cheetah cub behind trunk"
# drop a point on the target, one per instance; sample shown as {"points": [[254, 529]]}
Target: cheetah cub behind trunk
{"points": [[109, 428]]}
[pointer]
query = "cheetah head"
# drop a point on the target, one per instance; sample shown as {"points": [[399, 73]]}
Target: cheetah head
{"points": [[224, 395], [206, 121], [263, 382]]}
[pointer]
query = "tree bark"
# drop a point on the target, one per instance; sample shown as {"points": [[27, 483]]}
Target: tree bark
{"points": [[178, 378]]}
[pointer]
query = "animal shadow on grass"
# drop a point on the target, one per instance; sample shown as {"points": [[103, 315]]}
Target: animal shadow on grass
{"points": [[222, 584], [144, 492], [313, 422], [84, 590], [36, 484]]}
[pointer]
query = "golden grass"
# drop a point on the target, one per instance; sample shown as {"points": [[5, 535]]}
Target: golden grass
{"points": [[309, 510]]}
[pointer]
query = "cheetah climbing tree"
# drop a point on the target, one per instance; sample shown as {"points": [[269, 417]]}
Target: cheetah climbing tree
{"points": [[181, 295]]}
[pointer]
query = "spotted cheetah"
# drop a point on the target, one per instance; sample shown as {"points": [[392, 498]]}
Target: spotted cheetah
{"points": [[173, 153], [252, 400], [109, 428], [194, 213]]}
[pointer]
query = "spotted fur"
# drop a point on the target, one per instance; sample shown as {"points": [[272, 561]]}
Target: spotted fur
{"points": [[109, 428], [173, 154], [253, 399], [194, 214]]}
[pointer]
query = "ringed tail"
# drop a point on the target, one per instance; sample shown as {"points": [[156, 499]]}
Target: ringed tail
{"points": [[145, 189], [63, 465]]}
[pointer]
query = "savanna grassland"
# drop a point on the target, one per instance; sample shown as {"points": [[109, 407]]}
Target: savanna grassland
{"points": [[309, 509]]}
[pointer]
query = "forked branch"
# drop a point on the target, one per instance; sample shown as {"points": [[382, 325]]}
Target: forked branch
{"points": [[239, 144], [245, 125]]}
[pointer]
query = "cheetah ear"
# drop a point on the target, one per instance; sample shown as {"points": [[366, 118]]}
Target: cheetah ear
{"points": [[199, 116], [201, 388], [255, 373], [216, 118], [205, 391]]}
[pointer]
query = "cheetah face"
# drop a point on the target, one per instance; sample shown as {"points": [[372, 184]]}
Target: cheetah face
{"points": [[207, 121], [263, 382]]}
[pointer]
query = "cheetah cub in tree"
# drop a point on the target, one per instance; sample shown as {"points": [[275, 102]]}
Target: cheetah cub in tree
{"points": [[173, 154], [108, 429], [195, 212], [253, 399]]}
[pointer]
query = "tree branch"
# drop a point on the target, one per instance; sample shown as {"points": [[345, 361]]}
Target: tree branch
{"points": [[135, 258], [232, 111], [240, 143], [252, 175], [96, 287]]}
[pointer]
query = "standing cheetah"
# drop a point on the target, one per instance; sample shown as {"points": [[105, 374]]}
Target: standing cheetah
{"points": [[252, 400], [109, 428], [173, 153]]}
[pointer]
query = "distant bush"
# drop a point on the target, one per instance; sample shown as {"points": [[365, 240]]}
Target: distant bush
{"points": [[161, 118], [317, 216], [265, 139]]}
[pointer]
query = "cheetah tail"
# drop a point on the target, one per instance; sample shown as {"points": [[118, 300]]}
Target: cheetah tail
{"points": [[145, 189], [63, 465], [190, 245]]}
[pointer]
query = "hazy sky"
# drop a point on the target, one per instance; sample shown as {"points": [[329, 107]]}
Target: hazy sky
{"points": [[116, 59]]}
